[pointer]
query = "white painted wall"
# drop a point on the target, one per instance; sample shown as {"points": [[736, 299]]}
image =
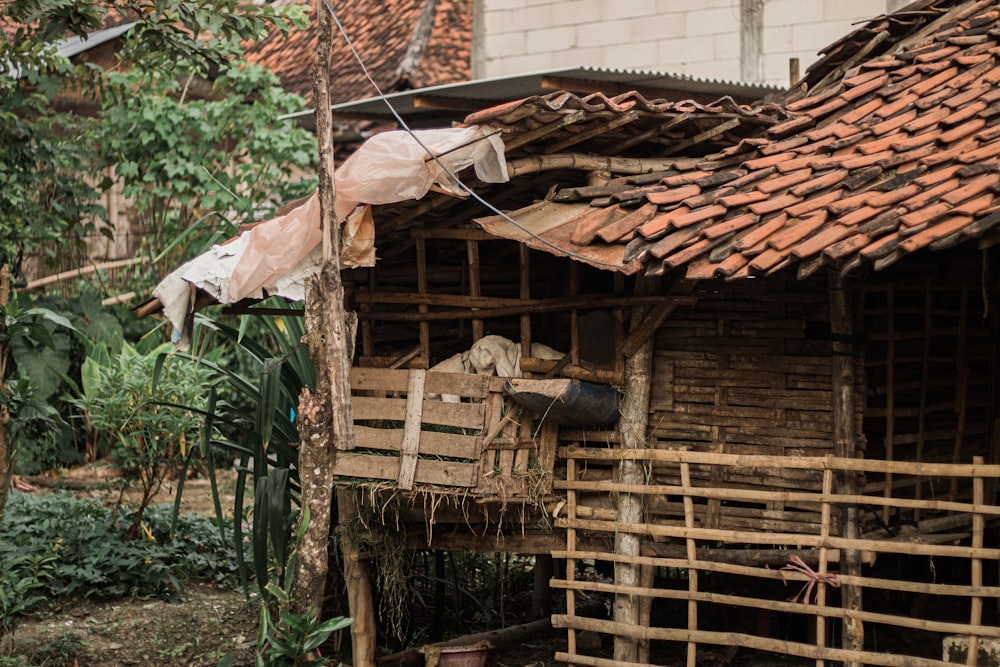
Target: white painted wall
{"points": [[701, 38]]}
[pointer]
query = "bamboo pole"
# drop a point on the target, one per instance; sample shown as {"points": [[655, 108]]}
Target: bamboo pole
{"points": [[357, 577], [730, 639], [890, 392], [570, 548], [976, 579], [961, 389], [710, 562], [82, 271], [924, 378], [692, 556], [772, 461], [823, 562], [475, 283], [633, 423]]}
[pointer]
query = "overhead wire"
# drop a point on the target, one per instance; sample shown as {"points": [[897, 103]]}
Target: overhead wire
{"points": [[475, 195]]}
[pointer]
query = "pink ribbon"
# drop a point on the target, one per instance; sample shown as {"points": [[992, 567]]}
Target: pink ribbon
{"points": [[805, 595]]}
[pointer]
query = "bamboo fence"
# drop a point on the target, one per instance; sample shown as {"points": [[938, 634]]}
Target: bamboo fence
{"points": [[800, 588]]}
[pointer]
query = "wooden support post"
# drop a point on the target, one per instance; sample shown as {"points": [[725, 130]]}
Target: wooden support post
{"points": [[424, 326], [633, 423], [978, 530], [845, 446], [475, 283], [541, 594], [357, 576], [327, 417]]}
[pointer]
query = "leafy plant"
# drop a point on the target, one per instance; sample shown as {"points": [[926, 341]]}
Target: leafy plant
{"points": [[27, 327], [141, 406], [55, 546], [256, 412], [287, 639]]}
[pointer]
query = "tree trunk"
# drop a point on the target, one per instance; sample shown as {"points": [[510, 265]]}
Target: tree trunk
{"points": [[327, 421], [6, 444]]}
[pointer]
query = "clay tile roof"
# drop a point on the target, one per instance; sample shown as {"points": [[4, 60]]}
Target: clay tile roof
{"points": [[888, 146], [384, 32]]}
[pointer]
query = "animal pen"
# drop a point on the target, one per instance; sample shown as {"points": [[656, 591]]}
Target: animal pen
{"points": [[793, 310]]}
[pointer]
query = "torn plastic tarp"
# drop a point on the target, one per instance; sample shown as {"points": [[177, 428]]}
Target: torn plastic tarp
{"points": [[275, 256]]}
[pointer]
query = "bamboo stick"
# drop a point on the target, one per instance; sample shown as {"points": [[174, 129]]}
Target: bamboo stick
{"points": [[976, 607], [924, 373], [570, 548], [961, 390], [821, 612], [953, 590], [534, 306], [82, 271], [424, 326], [761, 495], [475, 288], [823, 561], [734, 638], [692, 556], [790, 539], [779, 462]]}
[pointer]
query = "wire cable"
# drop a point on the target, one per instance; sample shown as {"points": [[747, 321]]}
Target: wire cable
{"points": [[451, 174]]}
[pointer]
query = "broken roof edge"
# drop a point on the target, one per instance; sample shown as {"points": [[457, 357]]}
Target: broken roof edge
{"points": [[481, 93]]}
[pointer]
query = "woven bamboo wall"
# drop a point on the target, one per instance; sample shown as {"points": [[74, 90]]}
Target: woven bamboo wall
{"points": [[746, 371]]}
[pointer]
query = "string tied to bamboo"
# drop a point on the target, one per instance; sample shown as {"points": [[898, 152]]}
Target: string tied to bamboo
{"points": [[813, 577]]}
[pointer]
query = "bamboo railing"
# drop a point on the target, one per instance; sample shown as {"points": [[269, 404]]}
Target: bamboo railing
{"points": [[955, 598]]}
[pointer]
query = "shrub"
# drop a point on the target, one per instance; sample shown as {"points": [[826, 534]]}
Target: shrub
{"points": [[54, 547]]}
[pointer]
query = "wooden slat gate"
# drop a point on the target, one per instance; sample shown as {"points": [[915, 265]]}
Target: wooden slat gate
{"points": [[405, 432]]}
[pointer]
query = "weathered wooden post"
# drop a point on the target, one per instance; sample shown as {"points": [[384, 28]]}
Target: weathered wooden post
{"points": [[634, 419], [327, 423], [845, 440]]}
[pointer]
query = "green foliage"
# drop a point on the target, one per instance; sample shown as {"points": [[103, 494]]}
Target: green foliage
{"points": [[142, 406], [197, 168], [257, 417], [53, 547], [287, 639], [54, 165]]}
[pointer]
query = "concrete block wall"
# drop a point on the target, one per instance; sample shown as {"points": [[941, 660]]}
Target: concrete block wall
{"points": [[701, 38]]}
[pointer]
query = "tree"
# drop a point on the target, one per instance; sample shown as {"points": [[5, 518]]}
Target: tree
{"points": [[51, 160]]}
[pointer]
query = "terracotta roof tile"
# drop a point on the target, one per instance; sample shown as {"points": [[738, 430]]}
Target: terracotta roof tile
{"points": [[382, 31], [814, 203], [821, 182], [761, 232], [674, 195], [731, 225], [634, 219], [773, 204], [795, 230], [893, 196], [864, 163]]}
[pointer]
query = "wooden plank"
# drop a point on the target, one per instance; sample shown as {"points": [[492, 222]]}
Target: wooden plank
{"points": [[443, 473], [411, 430], [432, 443], [468, 385]]}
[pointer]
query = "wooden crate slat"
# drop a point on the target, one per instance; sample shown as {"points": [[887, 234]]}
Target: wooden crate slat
{"points": [[411, 429], [460, 415], [371, 466], [432, 443], [369, 408]]}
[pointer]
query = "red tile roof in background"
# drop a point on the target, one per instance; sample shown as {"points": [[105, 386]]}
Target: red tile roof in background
{"points": [[381, 31], [892, 149]]}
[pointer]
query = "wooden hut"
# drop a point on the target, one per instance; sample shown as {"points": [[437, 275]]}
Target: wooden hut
{"points": [[794, 309], [794, 306]]}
